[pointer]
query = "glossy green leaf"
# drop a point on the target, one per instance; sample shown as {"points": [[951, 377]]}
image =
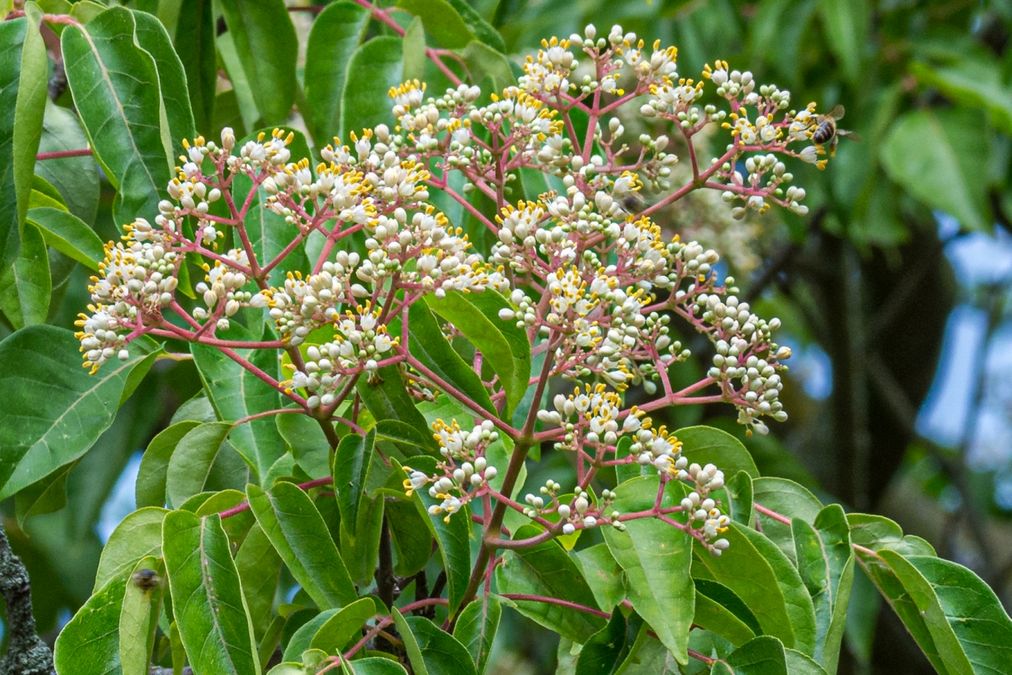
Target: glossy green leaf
{"points": [[149, 489], [711, 445], [656, 558], [763, 655], [207, 600], [138, 536], [138, 617], [387, 399], [269, 233], [606, 649], [258, 565], [504, 346], [452, 533], [975, 80], [429, 345], [716, 617], [826, 564], [89, 643], [431, 650], [294, 525], [151, 36], [194, 43], [784, 497], [485, 62], [846, 23], [546, 569], [23, 71], [404, 434], [76, 178], [333, 38], [69, 235], [337, 631], [54, 409], [413, 43], [45, 496], [377, 66], [25, 285], [936, 156], [190, 463], [259, 29], [235, 107], [376, 665], [476, 628], [309, 445], [603, 574], [237, 393], [766, 580], [300, 639], [478, 26], [799, 663], [352, 462], [738, 492], [442, 22], [358, 472], [410, 537], [116, 91], [880, 533]]}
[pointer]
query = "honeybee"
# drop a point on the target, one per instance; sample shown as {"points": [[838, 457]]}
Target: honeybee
{"points": [[826, 132]]}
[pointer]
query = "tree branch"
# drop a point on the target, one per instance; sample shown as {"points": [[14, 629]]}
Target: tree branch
{"points": [[26, 653]]}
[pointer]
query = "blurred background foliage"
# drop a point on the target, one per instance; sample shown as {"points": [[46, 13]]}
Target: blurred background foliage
{"points": [[893, 290]]}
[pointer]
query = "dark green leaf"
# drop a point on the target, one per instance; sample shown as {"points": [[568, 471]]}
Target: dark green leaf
{"points": [[441, 21], [190, 463], [45, 496], [504, 346], [25, 285], [481, 29], [258, 565], [351, 468], [138, 536], [485, 62], [708, 444], [410, 536], [936, 156], [194, 43], [760, 574], [309, 445], [259, 29], [547, 570], [656, 558], [337, 631], [846, 23], [880, 533], [606, 649], [138, 617], [295, 527], [603, 574], [115, 88], [151, 37], [377, 66], [69, 235], [763, 655], [476, 627], [299, 642], [377, 665], [714, 616], [207, 599], [387, 399], [76, 178], [54, 410], [335, 35], [975, 80], [149, 490], [431, 650], [23, 71], [785, 497]]}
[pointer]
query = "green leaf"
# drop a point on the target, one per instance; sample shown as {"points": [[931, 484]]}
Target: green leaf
{"points": [[403, 433], [429, 345], [603, 574], [606, 649], [377, 665], [707, 444], [414, 45], [138, 536], [387, 399], [485, 62], [763, 655], [504, 347], [299, 642], [25, 286], [826, 564], [479, 27], [89, 643], [138, 618], [23, 72], [45, 496], [333, 38], [786, 497], [441, 21], [310, 446], [880, 533], [452, 533], [975, 81], [476, 627], [207, 599], [151, 36], [295, 527], [546, 569], [656, 558], [432, 651], [259, 29], [337, 631], [352, 463], [377, 66], [936, 156], [258, 565], [846, 23], [269, 233], [69, 235], [190, 463], [149, 489], [765, 579], [410, 536], [713, 615], [194, 43], [76, 178], [54, 410], [116, 91], [237, 393]]}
